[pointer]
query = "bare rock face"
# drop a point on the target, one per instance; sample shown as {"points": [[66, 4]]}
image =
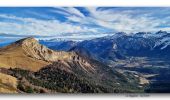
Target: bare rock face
{"points": [[35, 50], [27, 53]]}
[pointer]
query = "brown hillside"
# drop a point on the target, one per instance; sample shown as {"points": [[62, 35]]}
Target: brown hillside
{"points": [[28, 54], [16, 56], [8, 84]]}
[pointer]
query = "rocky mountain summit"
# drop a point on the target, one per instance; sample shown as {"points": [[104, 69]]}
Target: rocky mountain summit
{"points": [[28, 53]]}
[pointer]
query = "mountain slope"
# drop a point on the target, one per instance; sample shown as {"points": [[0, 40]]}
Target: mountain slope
{"points": [[109, 49], [28, 54], [8, 84], [56, 79], [18, 55], [58, 71]]}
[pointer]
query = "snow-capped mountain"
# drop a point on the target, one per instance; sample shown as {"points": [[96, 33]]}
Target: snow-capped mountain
{"points": [[161, 38], [121, 45], [118, 46]]}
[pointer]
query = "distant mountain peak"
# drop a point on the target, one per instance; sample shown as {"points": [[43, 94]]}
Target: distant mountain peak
{"points": [[27, 41], [159, 32], [121, 33]]}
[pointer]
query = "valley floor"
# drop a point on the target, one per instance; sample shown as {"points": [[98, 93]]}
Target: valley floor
{"points": [[153, 71]]}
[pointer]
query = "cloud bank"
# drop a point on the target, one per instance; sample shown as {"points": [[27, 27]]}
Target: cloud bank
{"points": [[80, 20]]}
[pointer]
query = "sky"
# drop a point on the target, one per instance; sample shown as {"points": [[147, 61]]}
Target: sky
{"points": [[82, 21]]}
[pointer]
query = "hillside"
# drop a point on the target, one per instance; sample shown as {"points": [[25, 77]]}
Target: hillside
{"points": [[28, 54], [143, 54], [8, 84], [39, 69], [17, 55]]}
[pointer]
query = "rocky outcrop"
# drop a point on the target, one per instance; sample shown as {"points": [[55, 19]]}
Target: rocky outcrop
{"points": [[28, 54]]}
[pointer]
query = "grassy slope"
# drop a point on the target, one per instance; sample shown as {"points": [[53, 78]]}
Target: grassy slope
{"points": [[8, 84], [16, 58]]}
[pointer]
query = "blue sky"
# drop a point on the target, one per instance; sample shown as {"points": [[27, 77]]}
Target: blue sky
{"points": [[82, 21]]}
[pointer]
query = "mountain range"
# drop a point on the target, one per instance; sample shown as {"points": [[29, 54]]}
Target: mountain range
{"points": [[40, 69], [119, 63], [120, 45], [144, 54]]}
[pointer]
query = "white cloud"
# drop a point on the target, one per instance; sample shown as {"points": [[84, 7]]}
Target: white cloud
{"points": [[120, 20], [34, 26], [75, 11], [108, 19], [69, 11]]}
